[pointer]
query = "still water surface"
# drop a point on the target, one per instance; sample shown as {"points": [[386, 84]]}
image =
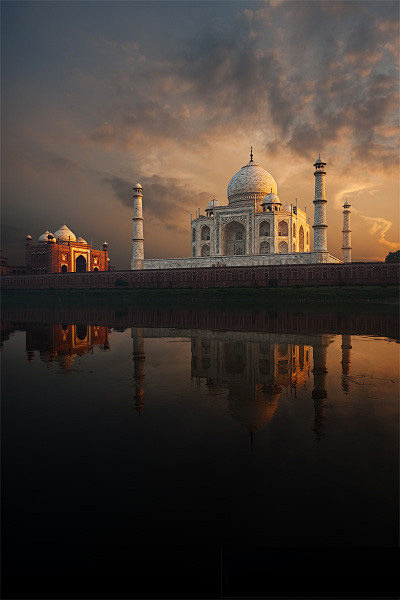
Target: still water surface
{"points": [[142, 450]]}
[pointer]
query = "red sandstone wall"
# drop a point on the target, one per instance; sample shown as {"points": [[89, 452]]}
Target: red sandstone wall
{"points": [[285, 275]]}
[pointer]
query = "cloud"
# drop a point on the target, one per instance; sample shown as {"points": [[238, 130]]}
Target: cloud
{"points": [[379, 228], [166, 199]]}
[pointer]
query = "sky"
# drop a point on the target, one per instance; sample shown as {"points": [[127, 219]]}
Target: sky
{"points": [[99, 95]]}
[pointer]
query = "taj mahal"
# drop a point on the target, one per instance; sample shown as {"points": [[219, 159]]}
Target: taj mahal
{"points": [[253, 229]]}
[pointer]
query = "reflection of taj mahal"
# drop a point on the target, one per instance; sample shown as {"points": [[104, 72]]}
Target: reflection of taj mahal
{"points": [[251, 370], [254, 228]]}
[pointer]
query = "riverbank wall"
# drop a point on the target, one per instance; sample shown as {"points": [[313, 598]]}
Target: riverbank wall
{"points": [[216, 277]]}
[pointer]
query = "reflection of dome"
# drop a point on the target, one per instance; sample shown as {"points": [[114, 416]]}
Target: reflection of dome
{"points": [[254, 412], [252, 181], [64, 235], [80, 240], [213, 203], [43, 237]]}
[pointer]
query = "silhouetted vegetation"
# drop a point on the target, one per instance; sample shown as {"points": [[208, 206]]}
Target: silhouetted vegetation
{"points": [[393, 257]]}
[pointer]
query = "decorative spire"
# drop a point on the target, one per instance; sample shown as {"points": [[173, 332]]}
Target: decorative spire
{"points": [[251, 153]]}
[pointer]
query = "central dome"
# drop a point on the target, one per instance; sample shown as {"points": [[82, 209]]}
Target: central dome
{"points": [[64, 235], [251, 182]]}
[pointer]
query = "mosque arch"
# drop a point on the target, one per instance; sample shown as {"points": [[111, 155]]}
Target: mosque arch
{"points": [[193, 235], [205, 250], [301, 239], [294, 229], [193, 250], [96, 269], [283, 228], [205, 232], [307, 239], [265, 248], [80, 264], [282, 248], [234, 239], [64, 269], [265, 228]]}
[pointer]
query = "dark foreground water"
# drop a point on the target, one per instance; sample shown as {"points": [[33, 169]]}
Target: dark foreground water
{"points": [[195, 453]]}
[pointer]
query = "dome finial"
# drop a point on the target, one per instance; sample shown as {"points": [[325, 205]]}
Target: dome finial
{"points": [[251, 153]]}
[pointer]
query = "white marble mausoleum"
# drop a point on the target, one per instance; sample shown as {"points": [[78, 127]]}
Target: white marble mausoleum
{"points": [[254, 228]]}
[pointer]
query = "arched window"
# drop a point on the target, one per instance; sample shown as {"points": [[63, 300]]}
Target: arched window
{"points": [[265, 229], [301, 239], [193, 250], [264, 248], [205, 250], [282, 248], [95, 269], [294, 229], [283, 228], [205, 232], [307, 239], [64, 269], [193, 235]]}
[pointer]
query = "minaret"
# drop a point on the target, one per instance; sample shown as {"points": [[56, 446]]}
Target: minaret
{"points": [[346, 248], [320, 225], [138, 363], [138, 251]]}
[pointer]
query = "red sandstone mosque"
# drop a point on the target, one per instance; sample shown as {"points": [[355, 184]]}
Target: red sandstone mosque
{"points": [[63, 252]]}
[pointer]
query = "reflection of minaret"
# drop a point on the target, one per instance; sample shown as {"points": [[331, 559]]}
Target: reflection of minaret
{"points": [[346, 347], [138, 363], [319, 393]]}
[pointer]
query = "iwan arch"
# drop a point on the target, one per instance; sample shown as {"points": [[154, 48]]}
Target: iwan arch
{"points": [[254, 228]]}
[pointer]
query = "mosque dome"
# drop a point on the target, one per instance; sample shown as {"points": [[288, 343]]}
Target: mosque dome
{"points": [[44, 237], [213, 203], [251, 182], [64, 235], [80, 240]]}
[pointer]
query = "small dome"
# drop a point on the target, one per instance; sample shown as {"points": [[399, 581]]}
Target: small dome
{"points": [[80, 240], [64, 235], [271, 198], [213, 203], [346, 204], [320, 161], [251, 182], [43, 238]]}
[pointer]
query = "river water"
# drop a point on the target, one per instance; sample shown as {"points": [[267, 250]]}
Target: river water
{"points": [[199, 453]]}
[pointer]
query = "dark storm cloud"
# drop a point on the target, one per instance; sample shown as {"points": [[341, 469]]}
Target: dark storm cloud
{"points": [[165, 198], [301, 72]]}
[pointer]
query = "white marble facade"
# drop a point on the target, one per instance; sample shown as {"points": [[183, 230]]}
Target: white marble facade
{"points": [[254, 228]]}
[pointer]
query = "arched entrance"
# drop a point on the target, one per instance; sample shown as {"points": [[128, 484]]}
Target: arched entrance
{"points": [[80, 264], [234, 239], [81, 332], [64, 269]]}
